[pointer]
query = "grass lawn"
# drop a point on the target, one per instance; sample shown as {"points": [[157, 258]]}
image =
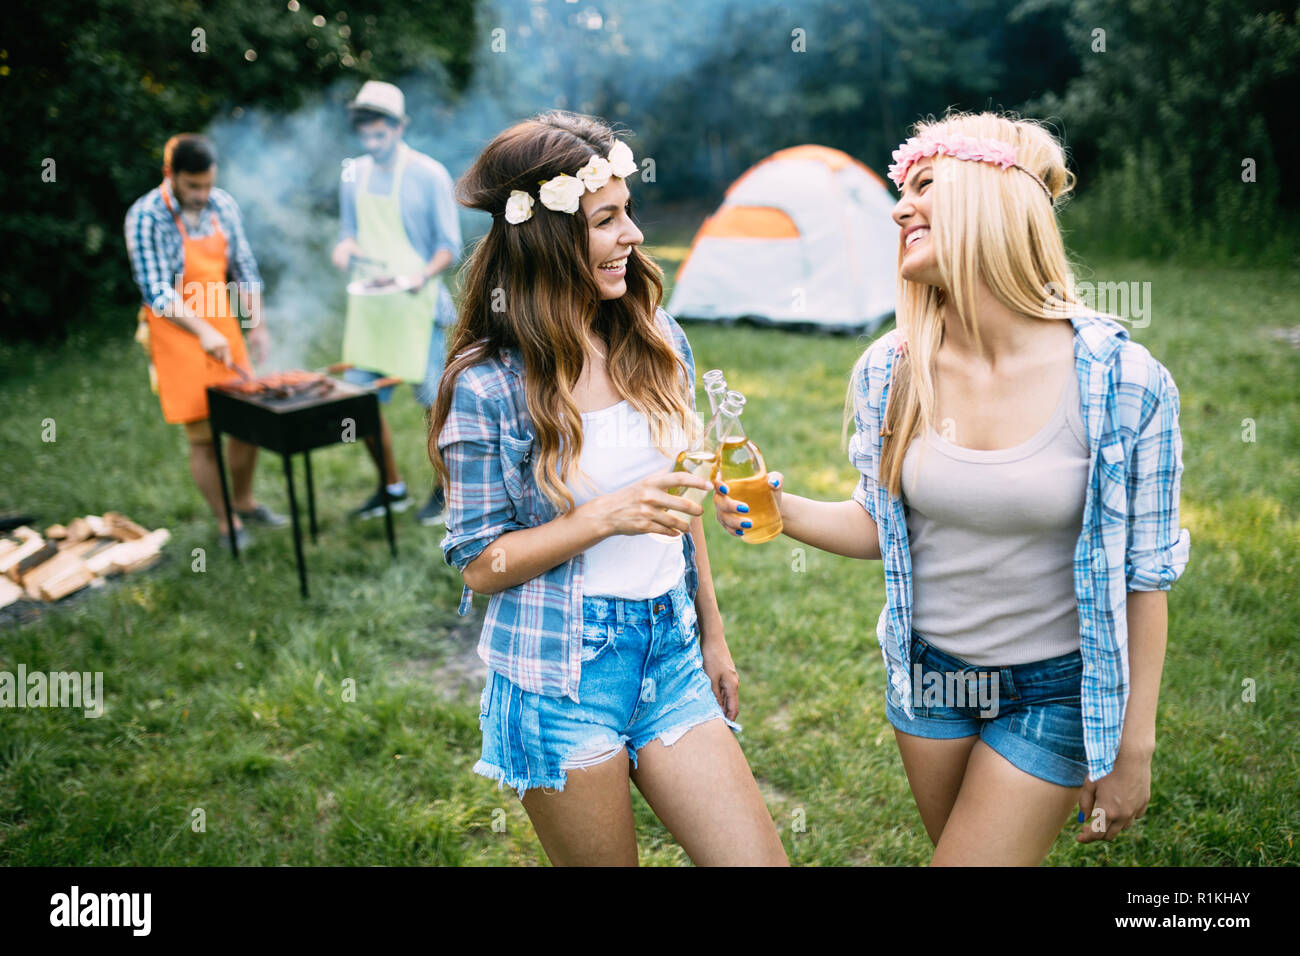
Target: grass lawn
{"points": [[225, 690]]}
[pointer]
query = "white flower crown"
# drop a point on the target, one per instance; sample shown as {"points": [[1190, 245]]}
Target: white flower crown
{"points": [[563, 193]]}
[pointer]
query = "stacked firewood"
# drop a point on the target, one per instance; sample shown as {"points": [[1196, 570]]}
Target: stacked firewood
{"points": [[66, 559]]}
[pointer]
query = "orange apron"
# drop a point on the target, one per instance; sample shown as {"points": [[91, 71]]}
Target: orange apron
{"points": [[180, 370]]}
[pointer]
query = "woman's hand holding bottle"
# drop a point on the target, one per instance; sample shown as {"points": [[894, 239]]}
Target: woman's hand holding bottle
{"points": [[733, 513], [645, 506]]}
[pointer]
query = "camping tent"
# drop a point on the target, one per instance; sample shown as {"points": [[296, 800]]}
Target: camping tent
{"points": [[803, 237]]}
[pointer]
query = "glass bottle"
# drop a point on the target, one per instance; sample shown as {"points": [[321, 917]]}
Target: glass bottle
{"points": [[742, 469], [702, 457]]}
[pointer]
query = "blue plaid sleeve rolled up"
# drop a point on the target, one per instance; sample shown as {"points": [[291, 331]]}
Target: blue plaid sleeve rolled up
{"points": [[478, 508], [1157, 549]]}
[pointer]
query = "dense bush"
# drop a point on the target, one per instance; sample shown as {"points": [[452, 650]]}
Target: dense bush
{"points": [[1180, 98], [92, 90]]}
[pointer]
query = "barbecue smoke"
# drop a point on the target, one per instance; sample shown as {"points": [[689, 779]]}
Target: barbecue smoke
{"points": [[613, 59]]}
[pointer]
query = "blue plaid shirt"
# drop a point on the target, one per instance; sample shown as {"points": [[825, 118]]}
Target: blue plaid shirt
{"points": [[157, 252], [1130, 540], [532, 632]]}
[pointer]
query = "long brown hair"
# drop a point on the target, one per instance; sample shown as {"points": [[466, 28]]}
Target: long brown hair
{"points": [[529, 285]]}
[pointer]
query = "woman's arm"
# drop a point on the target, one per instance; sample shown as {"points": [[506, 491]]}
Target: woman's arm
{"points": [[840, 527], [1124, 793], [639, 508], [1155, 556], [718, 664], [1148, 630], [708, 617]]}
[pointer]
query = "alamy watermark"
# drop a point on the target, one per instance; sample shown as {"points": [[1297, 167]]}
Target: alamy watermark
{"points": [[220, 299], [975, 689], [53, 689], [1130, 301]]}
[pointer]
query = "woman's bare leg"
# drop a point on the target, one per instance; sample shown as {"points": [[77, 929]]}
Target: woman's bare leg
{"points": [[589, 822], [1002, 816], [935, 769], [702, 789]]}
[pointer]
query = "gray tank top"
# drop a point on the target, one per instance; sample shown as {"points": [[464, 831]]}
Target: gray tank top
{"points": [[992, 538]]}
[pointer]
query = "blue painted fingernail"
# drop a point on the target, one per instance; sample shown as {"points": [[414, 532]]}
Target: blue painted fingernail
{"points": [[776, 482], [741, 533], [722, 488], [747, 524], [1081, 817], [744, 509]]}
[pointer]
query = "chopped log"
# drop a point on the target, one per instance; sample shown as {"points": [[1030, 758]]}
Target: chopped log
{"points": [[60, 566], [56, 531], [47, 550], [84, 548], [9, 545], [25, 533], [97, 526], [61, 588], [93, 557], [101, 562], [10, 562], [9, 592], [57, 566], [136, 555], [127, 553], [79, 530], [122, 528], [139, 564]]}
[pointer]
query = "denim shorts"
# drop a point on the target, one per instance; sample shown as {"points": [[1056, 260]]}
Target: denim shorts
{"points": [[642, 678], [426, 391], [1029, 713]]}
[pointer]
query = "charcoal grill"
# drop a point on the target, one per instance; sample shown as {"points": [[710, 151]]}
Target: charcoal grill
{"points": [[290, 413]]}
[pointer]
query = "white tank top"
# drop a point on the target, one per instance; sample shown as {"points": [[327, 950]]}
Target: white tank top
{"points": [[616, 452]]}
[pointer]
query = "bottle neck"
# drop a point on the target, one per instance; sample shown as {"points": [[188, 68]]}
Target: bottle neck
{"points": [[715, 386], [728, 428]]}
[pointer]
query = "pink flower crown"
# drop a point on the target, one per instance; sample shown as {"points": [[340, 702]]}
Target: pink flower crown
{"points": [[958, 147]]}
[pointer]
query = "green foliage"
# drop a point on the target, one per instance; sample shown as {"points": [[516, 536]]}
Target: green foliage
{"points": [[842, 73], [1181, 97], [98, 87]]}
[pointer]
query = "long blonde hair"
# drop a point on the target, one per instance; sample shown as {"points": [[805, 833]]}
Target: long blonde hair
{"points": [[985, 223]]}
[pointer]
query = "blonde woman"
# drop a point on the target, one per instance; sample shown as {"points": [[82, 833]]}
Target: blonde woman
{"points": [[1020, 463]]}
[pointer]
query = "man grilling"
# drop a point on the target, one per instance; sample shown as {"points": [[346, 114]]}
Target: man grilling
{"points": [[399, 227], [184, 238]]}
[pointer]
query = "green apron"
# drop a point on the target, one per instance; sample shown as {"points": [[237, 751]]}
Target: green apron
{"points": [[389, 333]]}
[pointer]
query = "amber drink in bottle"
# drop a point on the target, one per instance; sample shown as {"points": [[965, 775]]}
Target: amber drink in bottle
{"points": [[702, 457], [742, 469]]}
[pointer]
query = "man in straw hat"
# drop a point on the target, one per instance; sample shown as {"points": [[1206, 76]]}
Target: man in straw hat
{"points": [[399, 228]]}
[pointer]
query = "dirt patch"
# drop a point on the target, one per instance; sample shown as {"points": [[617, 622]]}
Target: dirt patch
{"points": [[1289, 335], [779, 720], [455, 672]]}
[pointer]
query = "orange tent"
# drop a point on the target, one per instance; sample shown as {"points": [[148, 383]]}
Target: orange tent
{"points": [[802, 237]]}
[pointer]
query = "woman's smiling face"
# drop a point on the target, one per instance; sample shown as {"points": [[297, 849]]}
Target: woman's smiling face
{"points": [[912, 213], [611, 235]]}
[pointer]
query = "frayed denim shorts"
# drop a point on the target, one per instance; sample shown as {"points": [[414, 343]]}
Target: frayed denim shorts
{"points": [[1030, 713], [642, 678]]}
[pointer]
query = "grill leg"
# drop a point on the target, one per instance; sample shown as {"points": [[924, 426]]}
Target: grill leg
{"points": [[225, 489], [297, 531], [311, 496]]}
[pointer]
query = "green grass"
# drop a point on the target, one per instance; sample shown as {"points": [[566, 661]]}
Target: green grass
{"points": [[225, 690]]}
